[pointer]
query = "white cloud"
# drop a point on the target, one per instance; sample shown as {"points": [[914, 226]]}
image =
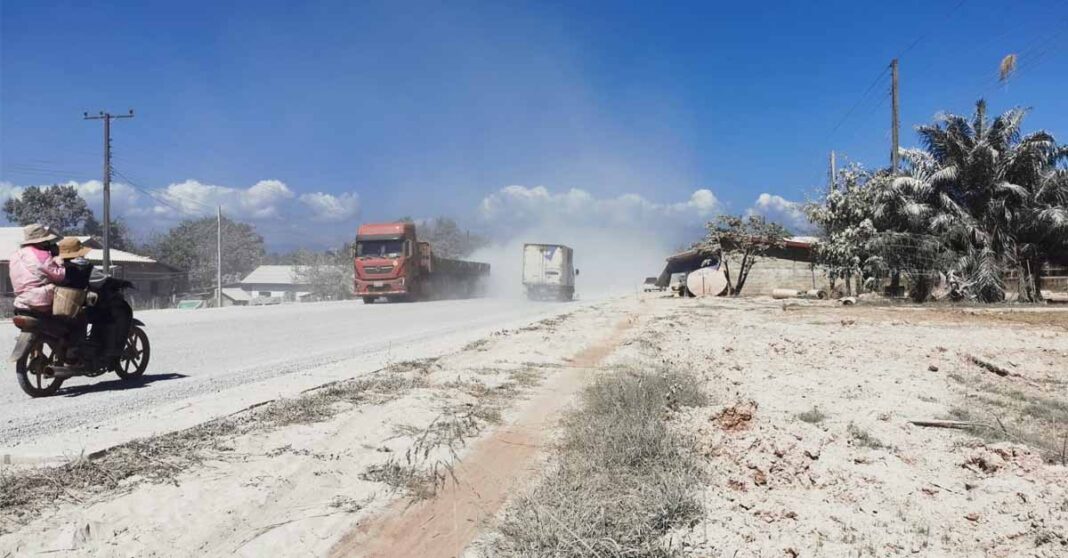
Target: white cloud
{"points": [[329, 207], [783, 211], [263, 200], [519, 206], [269, 204], [9, 190]]}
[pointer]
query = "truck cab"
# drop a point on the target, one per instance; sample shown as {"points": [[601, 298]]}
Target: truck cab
{"points": [[387, 261]]}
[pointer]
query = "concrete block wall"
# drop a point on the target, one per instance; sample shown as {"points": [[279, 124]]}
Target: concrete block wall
{"points": [[775, 273]]}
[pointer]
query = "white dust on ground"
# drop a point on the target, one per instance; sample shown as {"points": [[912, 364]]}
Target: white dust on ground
{"points": [[213, 362], [776, 486], [779, 486], [296, 490]]}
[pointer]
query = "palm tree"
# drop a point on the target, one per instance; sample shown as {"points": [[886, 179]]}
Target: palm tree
{"points": [[982, 179], [1045, 230]]}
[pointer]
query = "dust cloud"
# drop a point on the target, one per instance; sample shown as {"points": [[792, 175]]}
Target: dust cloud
{"points": [[609, 261]]}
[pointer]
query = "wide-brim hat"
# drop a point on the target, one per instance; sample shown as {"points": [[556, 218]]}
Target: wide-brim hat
{"points": [[70, 248], [36, 234]]}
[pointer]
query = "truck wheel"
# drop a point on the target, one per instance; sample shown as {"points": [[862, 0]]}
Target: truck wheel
{"points": [[368, 300]]}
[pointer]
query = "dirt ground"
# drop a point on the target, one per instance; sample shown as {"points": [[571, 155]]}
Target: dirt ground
{"points": [[807, 444], [811, 452]]}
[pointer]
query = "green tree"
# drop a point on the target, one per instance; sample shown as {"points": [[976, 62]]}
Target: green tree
{"points": [[191, 246], [743, 239]]}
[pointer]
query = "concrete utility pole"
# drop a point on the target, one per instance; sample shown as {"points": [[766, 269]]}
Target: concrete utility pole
{"points": [[218, 248], [895, 124], [107, 117], [834, 173]]}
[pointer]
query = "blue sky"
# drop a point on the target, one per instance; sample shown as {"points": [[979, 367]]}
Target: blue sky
{"points": [[290, 113]]}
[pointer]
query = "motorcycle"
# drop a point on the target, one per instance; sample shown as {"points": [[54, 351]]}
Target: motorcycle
{"points": [[51, 349]]}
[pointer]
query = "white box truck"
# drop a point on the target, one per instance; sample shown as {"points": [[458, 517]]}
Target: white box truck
{"points": [[549, 272]]}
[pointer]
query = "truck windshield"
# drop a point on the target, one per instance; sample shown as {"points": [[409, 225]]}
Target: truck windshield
{"points": [[379, 248]]}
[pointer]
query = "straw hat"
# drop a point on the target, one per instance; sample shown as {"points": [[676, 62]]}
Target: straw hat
{"points": [[70, 248], [36, 234]]}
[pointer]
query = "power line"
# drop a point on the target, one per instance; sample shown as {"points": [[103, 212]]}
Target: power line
{"points": [[107, 117], [863, 96], [884, 72], [165, 197]]}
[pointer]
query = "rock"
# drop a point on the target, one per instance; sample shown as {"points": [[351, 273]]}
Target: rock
{"points": [[932, 368], [737, 417]]}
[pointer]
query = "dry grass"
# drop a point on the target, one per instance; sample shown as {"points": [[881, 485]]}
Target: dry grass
{"points": [[863, 438], [1017, 414], [812, 416], [477, 345], [427, 464], [26, 492], [621, 478]]}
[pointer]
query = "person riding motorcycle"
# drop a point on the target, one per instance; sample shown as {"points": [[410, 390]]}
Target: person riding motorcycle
{"points": [[35, 270], [110, 315]]}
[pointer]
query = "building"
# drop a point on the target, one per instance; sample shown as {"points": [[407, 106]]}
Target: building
{"points": [[789, 266], [155, 283], [235, 296], [274, 283]]}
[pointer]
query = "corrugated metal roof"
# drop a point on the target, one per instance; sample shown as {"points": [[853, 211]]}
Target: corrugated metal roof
{"points": [[274, 275], [11, 238], [237, 295]]}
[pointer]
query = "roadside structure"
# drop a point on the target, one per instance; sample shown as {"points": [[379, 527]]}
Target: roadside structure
{"points": [[235, 296], [269, 284], [156, 284], [790, 266]]}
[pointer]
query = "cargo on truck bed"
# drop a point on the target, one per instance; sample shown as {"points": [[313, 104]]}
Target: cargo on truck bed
{"points": [[391, 262], [549, 272]]}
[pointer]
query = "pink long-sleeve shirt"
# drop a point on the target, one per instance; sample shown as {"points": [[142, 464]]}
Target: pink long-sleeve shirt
{"points": [[34, 273]]}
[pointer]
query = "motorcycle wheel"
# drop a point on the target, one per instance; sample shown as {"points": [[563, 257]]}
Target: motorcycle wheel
{"points": [[30, 371], [134, 359]]}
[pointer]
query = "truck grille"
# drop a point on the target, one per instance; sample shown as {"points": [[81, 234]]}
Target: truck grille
{"points": [[380, 270]]}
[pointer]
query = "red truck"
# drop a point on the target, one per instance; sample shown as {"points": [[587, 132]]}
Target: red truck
{"points": [[391, 262]]}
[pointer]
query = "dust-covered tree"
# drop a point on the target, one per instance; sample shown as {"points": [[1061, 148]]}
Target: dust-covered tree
{"points": [[988, 190], [58, 206], [446, 237], [744, 240], [61, 207], [119, 236], [327, 275], [845, 220], [191, 246], [449, 240]]}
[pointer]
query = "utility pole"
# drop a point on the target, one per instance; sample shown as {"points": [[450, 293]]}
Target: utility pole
{"points": [[834, 173], [895, 124], [107, 117], [218, 249]]}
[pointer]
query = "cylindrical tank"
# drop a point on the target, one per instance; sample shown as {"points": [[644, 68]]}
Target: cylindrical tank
{"points": [[707, 282]]}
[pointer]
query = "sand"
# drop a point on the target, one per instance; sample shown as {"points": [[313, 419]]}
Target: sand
{"points": [[860, 481]]}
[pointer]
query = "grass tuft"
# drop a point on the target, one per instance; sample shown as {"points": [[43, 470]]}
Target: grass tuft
{"points": [[621, 477], [812, 416], [864, 438]]}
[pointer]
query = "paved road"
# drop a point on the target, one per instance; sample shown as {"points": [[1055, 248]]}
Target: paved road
{"points": [[202, 353]]}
